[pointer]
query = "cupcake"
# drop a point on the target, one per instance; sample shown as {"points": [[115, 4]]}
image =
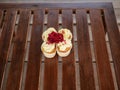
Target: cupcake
{"points": [[49, 50], [64, 48], [47, 32], [66, 33]]}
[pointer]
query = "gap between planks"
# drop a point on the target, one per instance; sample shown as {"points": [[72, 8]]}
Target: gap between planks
{"points": [[59, 86]]}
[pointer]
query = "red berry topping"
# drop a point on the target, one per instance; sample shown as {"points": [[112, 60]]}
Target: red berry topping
{"points": [[55, 37]]}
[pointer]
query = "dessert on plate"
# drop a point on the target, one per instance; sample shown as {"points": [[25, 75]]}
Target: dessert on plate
{"points": [[64, 48], [66, 33], [49, 50], [47, 32]]}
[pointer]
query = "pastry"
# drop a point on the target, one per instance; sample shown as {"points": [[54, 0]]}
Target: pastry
{"points": [[64, 48], [66, 33], [49, 50], [54, 41]]}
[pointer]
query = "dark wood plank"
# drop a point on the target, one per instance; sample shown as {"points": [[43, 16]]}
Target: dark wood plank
{"points": [[5, 40], [1, 15], [84, 52], [55, 5], [34, 61], [51, 65], [102, 59], [14, 76], [68, 63], [114, 37]]}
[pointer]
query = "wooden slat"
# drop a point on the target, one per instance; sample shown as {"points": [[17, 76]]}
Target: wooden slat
{"points": [[51, 65], [5, 40], [34, 61], [102, 59], [55, 5], [84, 52], [14, 76], [1, 15], [68, 80], [114, 37]]}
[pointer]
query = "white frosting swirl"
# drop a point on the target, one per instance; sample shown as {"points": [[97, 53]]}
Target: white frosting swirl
{"points": [[65, 44], [48, 47], [66, 33]]}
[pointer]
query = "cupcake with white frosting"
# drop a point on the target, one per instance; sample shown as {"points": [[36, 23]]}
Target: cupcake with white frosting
{"points": [[49, 50], [66, 33], [64, 48]]}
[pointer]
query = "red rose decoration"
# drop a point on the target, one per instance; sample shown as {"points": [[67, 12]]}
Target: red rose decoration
{"points": [[55, 37]]}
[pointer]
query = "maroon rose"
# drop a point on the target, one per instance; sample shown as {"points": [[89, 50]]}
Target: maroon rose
{"points": [[55, 37]]}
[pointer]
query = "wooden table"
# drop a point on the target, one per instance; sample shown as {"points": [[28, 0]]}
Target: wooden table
{"points": [[21, 27]]}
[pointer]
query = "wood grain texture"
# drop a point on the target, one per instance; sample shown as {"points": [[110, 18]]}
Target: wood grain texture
{"points": [[84, 52], [14, 76], [114, 37], [68, 63], [51, 64], [34, 60], [1, 15], [50, 78], [55, 5], [5, 40], [102, 59]]}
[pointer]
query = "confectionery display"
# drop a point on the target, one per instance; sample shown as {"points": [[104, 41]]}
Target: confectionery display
{"points": [[56, 42]]}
